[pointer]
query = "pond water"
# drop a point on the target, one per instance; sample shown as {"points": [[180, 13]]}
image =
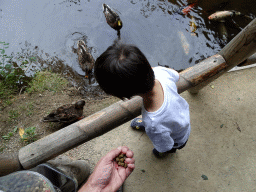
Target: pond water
{"points": [[49, 29]]}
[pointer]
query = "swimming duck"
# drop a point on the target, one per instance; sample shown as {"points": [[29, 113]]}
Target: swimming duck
{"points": [[85, 59], [67, 113], [112, 18]]}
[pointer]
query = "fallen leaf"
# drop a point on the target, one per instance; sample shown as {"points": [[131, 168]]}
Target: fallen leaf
{"points": [[21, 132], [204, 177]]}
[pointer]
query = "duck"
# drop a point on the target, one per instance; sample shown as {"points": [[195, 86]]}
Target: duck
{"points": [[85, 59], [112, 19], [67, 113]]}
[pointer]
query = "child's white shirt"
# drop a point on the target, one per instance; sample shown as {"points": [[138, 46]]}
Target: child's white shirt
{"points": [[171, 122]]}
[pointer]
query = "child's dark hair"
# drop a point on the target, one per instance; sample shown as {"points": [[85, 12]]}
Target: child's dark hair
{"points": [[123, 71]]}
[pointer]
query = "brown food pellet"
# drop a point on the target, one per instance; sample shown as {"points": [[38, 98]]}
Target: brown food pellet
{"points": [[121, 155], [120, 160]]}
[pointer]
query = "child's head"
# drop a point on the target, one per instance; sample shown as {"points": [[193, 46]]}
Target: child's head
{"points": [[123, 71]]}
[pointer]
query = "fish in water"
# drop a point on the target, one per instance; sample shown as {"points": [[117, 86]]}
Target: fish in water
{"points": [[184, 42], [222, 15], [85, 59], [67, 113], [193, 26], [187, 9], [112, 19]]}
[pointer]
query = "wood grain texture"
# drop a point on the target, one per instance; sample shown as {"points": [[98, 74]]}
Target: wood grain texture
{"points": [[241, 47], [9, 163], [249, 61], [201, 74]]}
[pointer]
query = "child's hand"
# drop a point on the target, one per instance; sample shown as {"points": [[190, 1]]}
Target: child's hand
{"points": [[107, 175]]}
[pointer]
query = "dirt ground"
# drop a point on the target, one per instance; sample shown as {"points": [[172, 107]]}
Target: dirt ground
{"points": [[27, 110]]}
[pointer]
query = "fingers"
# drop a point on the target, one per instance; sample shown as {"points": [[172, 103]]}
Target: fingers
{"points": [[115, 152], [129, 169], [129, 154], [112, 154], [131, 166], [126, 151], [130, 160]]}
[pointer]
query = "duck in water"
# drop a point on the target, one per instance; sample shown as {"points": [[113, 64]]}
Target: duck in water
{"points": [[113, 19], [85, 59]]}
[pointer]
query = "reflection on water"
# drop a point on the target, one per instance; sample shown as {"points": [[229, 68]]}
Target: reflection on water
{"points": [[174, 33]]}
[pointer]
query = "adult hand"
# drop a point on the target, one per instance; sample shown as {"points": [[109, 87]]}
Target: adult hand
{"points": [[107, 175]]}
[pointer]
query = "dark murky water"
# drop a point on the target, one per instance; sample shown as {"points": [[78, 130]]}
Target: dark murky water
{"points": [[48, 29]]}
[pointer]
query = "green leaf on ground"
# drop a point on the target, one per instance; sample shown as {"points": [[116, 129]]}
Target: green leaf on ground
{"points": [[6, 137], [204, 177], [15, 129]]}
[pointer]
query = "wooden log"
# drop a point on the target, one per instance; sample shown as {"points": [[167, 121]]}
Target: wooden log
{"points": [[79, 132], [199, 74], [249, 61], [9, 163], [241, 47]]}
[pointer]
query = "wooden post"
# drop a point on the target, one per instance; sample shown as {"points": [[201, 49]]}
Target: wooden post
{"points": [[201, 73], [235, 52], [9, 163], [249, 61], [123, 111]]}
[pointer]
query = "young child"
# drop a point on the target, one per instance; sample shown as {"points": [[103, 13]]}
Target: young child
{"points": [[123, 71]]}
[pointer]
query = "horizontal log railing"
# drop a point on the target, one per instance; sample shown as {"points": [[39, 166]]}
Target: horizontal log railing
{"points": [[249, 61], [192, 79]]}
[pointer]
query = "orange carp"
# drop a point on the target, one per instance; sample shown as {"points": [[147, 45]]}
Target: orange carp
{"points": [[187, 9]]}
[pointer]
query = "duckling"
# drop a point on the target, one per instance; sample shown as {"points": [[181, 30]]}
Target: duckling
{"points": [[112, 18], [67, 113], [85, 59]]}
